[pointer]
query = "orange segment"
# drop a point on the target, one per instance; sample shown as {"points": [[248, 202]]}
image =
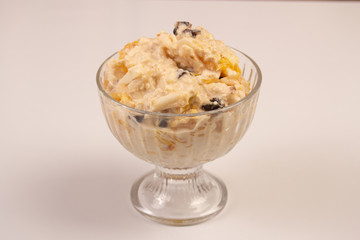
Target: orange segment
{"points": [[225, 64], [127, 48]]}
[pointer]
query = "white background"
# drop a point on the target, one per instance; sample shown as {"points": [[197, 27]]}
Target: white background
{"points": [[295, 174]]}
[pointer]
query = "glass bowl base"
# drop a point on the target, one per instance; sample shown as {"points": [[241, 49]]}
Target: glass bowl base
{"points": [[179, 197]]}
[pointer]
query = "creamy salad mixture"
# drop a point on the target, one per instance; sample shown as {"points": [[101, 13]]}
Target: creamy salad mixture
{"points": [[186, 71]]}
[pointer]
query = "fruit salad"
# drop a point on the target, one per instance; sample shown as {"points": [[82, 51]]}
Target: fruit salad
{"points": [[172, 99], [186, 71]]}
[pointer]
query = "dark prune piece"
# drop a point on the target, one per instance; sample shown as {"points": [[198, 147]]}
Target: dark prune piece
{"points": [[181, 72], [163, 123], [209, 107], [215, 103], [193, 32], [177, 24], [139, 118]]}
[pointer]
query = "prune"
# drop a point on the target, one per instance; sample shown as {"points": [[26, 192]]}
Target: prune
{"points": [[181, 72], [193, 32], [215, 103], [139, 118], [163, 123], [187, 24]]}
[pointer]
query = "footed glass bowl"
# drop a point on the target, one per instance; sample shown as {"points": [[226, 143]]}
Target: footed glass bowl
{"points": [[179, 191]]}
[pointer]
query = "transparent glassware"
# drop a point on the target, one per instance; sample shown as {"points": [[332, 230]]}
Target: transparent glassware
{"points": [[179, 192]]}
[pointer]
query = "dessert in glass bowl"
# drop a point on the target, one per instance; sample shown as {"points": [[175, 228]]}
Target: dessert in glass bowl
{"points": [[179, 100]]}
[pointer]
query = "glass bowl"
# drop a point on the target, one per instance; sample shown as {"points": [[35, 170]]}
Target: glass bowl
{"points": [[179, 191]]}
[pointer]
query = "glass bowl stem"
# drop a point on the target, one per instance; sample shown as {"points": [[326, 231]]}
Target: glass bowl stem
{"points": [[179, 196]]}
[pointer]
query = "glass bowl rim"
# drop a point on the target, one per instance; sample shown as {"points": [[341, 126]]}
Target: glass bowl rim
{"points": [[216, 111]]}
